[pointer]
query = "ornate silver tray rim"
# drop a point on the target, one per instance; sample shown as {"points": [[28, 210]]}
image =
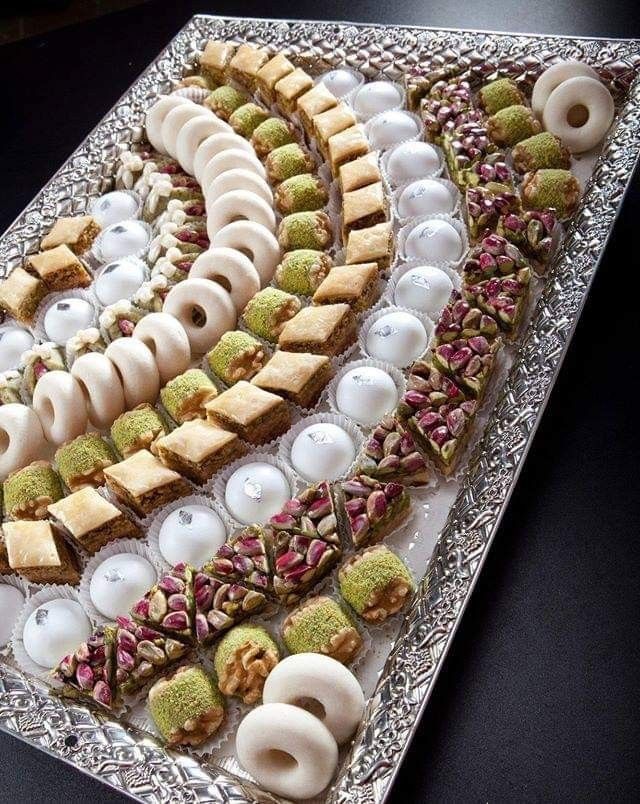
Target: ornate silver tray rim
{"points": [[135, 764]]}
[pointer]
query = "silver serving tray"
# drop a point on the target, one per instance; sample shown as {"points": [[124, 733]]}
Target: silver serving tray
{"points": [[134, 763]]}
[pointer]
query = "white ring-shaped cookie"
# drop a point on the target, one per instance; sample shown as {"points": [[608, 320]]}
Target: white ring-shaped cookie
{"points": [[210, 303], [228, 160], [583, 93], [287, 750], [55, 400], [214, 145], [231, 269], [256, 242], [173, 122], [136, 369], [155, 118], [21, 437], [555, 75], [193, 133], [101, 386], [239, 205], [167, 340], [238, 179], [321, 685]]}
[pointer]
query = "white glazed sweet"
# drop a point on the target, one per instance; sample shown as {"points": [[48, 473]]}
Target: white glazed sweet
{"points": [[365, 394], [175, 120], [376, 97], [594, 102], [398, 338], [322, 451], [167, 340], [391, 128], [256, 491], [555, 75], [119, 279], [230, 159], [232, 269], [212, 304], [55, 400], [238, 179], [155, 118], [122, 239], [13, 342], [191, 533], [424, 288], [66, 316], [434, 241], [287, 750], [213, 145], [101, 386], [412, 160], [21, 437], [425, 197], [194, 132], [136, 369], [340, 82], [258, 243], [114, 207], [119, 581], [11, 602], [54, 630], [239, 205]]}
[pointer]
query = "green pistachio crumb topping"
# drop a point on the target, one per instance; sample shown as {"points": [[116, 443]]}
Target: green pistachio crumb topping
{"points": [[239, 637], [500, 94], [302, 271], [230, 346], [178, 390], [543, 150], [83, 455], [512, 124], [312, 626], [247, 118], [132, 424], [287, 161], [39, 480], [373, 570], [272, 133], [262, 311], [225, 100], [302, 193], [309, 230], [186, 696], [551, 188]]}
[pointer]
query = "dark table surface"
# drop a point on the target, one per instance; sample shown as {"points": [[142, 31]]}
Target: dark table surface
{"points": [[539, 697]]}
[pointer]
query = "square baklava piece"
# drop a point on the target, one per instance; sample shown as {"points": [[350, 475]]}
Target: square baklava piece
{"points": [[144, 483], [269, 75], [198, 449], [290, 88], [323, 330], [214, 60], [77, 232], [363, 208], [359, 172], [245, 63], [255, 415], [299, 377], [331, 122], [37, 551], [374, 244], [59, 268], [20, 295], [92, 521], [355, 285], [314, 102], [345, 146]]}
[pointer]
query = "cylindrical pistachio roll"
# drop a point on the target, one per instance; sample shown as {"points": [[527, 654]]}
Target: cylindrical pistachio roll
{"points": [[246, 119], [28, 491], [243, 659], [81, 461], [287, 161], [185, 396], [137, 429], [237, 356], [551, 188], [302, 271], [272, 134], [224, 100], [543, 150], [268, 311], [319, 625], [302, 193], [500, 94], [511, 125], [311, 230]]}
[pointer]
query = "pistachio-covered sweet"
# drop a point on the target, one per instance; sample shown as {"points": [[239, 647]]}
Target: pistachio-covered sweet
{"points": [[303, 193], [224, 100], [81, 462], [302, 271], [271, 134], [390, 454], [465, 147], [268, 311], [320, 625], [460, 320], [28, 491], [305, 230], [287, 161], [375, 583], [492, 168], [169, 605], [543, 150], [370, 509], [243, 659], [221, 604], [246, 119], [551, 188], [447, 106], [469, 361], [237, 356], [532, 231], [244, 557], [499, 94], [89, 672], [185, 396], [137, 429], [511, 125], [485, 204]]}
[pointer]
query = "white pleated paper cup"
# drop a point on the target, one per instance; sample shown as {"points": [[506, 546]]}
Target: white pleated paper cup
{"points": [[404, 268], [98, 245], [363, 117], [453, 191], [366, 362], [55, 298], [456, 223], [23, 587], [384, 165], [377, 315], [372, 122]]}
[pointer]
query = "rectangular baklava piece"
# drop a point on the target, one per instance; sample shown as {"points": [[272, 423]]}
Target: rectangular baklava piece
{"points": [[359, 172], [198, 449], [144, 483], [78, 232], [20, 295], [323, 330], [374, 244], [37, 551], [269, 75], [299, 377], [289, 89], [59, 268], [314, 102], [345, 146], [255, 415], [355, 285], [331, 122], [363, 208], [245, 63], [92, 521], [214, 60]]}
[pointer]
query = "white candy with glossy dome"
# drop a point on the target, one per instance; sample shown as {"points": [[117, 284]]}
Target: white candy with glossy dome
{"points": [[424, 288], [214, 145], [119, 581], [256, 491], [391, 128], [21, 437], [412, 160], [193, 133], [434, 241], [365, 394], [119, 280], [175, 120], [425, 197], [123, 239], [155, 118], [114, 207], [376, 97], [397, 338], [11, 602], [555, 75], [54, 630], [191, 533], [287, 750], [322, 451], [239, 205], [341, 82], [13, 342], [66, 316]]}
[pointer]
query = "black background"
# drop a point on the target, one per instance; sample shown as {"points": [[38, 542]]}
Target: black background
{"points": [[539, 698]]}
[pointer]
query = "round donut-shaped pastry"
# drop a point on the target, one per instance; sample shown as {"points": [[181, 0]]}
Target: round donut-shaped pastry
{"points": [[258, 243], [229, 160], [21, 437], [204, 309], [238, 179], [287, 750], [167, 340], [555, 75], [175, 120], [323, 686], [580, 112], [137, 370], [214, 145], [55, 400], [103, 392], [155, 118], [230, 268], [238, 205], [193, 133]]}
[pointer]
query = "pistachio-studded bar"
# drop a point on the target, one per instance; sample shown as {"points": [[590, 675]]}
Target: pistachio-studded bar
{"points": [[244, 558], [390, 454], [169, 606], [220, 605], [369, 509]]}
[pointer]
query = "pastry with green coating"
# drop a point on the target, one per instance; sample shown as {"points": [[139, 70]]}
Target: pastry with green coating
{"points": [[271, 134], [500, 94], [28, 491], [551, 188], [268, 311], [237, 356], [185, 396], [375, 583], [243, 659], [81, 462], [186, 707], [137, 429], [302, 271], [511, 125], [305, 230], [224, 100], [287, 161], [246, 119], [543, 150], [303, 193], [320, 625]]}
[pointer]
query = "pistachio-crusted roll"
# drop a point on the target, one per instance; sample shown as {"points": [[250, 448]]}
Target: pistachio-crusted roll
{"points": [[268, 311], [246, 119], [137, 429], [28, 491], [237, 356], [185, 396], [302, 271], [287, 161], [308, 230], [551, 188], [243, 659], [81, 462], [511, 125], [543, 150], [320, 625], [500, 94], [271, 134], [224, 100], [302, 193]]}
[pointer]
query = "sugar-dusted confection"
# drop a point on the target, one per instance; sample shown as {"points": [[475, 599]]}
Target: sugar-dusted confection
{"points": [[392, 128], [20, 295], [375, 97], [143, 483], [214, 60], [118, 581], [375, 583], [243, 659], [91, 520], [543, 150], [499, 95], [302, 193], [511, 125], [551, 188], [198, 449], [120, 279], [363, 208], [346, 145], [245, 63], [297, 376], [359, 172], [27, 492], [89, 672], [268, 311], [270, 73], [532, 231], [373, 244], [302, 271], [137, 429], [434, 240], [220, 605], [185, 396], [59, 268], [390, 454], [355, 285], [486, 203], [77, 232], [38, 552], [366, 393], [244, 557], [271, 134], [305, 230], [331, 122], [287, 161], [53, 629], [324, 330], [169, 605], [237, 356], [10, 385], [317, 100], [246, 119], [255, 415], [81, 462], [224, 100], [37, 361], [320, 625], [289, 88], [256, 490], [369, 509]]}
